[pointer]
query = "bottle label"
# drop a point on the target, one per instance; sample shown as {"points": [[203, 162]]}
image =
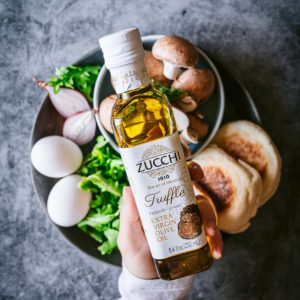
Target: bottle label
{"points": [[129, 77], [162, 188]]}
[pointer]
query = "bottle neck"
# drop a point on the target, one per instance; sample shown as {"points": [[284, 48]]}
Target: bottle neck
{"points": [[129, 77]]}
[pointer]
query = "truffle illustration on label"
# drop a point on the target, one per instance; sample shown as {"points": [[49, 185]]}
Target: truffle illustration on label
{"points": [[190, 225]]}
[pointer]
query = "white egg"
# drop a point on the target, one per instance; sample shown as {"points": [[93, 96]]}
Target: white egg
{"points": [[67, 205], [55, 156]]}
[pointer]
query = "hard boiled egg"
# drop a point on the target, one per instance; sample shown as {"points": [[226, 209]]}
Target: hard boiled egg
{"points": [[55, 156], [67, 205]]}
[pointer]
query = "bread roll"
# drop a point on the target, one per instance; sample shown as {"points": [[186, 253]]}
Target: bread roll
{"points": [[234, 188], [247, 141]]}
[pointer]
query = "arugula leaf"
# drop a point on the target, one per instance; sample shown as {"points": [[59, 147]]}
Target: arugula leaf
{"points": [[96, 220], [104, 184], [76, 77], [103, 174], [173, 95], [116, 224], [111, 243]]}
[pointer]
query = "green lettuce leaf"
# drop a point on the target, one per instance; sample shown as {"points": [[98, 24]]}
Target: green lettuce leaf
{"points": [[111, 243], [103, 174], [81, 78], [97, 220]]}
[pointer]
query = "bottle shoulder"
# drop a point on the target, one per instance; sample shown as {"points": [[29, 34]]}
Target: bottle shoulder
{"points": [[143, 94], [144, 91], [142, 115]]}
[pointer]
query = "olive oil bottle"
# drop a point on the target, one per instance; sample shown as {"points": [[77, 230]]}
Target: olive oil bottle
{"points": [[145, 130]]}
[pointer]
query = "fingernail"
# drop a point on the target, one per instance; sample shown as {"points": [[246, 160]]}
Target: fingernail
{"points": [[196, 171], [217, 254], [210, 228]]}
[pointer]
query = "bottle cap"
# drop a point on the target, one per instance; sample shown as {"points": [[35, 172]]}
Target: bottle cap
{"points": [[124, 57], [122, 48]]}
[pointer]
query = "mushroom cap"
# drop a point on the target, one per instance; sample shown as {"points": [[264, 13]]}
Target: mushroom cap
{"points": [[198, 83], [198, 125], [176, 50], [155, 69]]}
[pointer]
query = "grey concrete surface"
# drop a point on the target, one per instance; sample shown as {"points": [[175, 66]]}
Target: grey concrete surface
{"points": [[257, 40]]}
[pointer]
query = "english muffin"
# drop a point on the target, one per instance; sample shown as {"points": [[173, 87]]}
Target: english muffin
{"points": [[247, 141], [257, 183], [234, 188]]}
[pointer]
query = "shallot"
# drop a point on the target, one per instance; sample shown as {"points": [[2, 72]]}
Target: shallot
{"points": [[80, 127], [66, 101]]}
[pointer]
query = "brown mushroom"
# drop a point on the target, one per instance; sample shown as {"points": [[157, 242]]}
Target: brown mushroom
{"points": [[155, 69], [105, 111], [186, 104], [182, 121], [189, 136], [198, 125], [197, 129], [198, 83], [175, 52], [186, 150]]}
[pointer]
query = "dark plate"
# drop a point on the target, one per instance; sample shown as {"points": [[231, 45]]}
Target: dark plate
{"points": [[239, 105]]}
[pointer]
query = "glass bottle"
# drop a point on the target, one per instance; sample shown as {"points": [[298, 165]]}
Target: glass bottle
{"points": [[145, 130]]}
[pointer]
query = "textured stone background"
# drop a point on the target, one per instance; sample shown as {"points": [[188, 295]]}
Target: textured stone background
{"points": [[257, 40]]}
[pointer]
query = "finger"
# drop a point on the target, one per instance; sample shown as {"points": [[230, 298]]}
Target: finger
{"points": [[199, 190], [195, 171], [212, 232], [129, 212], [216, 244], [129, 223], [207, 214]]}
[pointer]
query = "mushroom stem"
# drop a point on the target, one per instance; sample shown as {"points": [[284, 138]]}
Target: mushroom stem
{"points": [[188, 136], [187, 104], [182, 121], [171, 71], [186, 150]]}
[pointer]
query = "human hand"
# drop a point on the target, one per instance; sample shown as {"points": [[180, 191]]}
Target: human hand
{"points": [[132, 241]]}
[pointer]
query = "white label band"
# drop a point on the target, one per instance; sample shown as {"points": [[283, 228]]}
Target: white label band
{"points": [[129, 77], [164, 196]]}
